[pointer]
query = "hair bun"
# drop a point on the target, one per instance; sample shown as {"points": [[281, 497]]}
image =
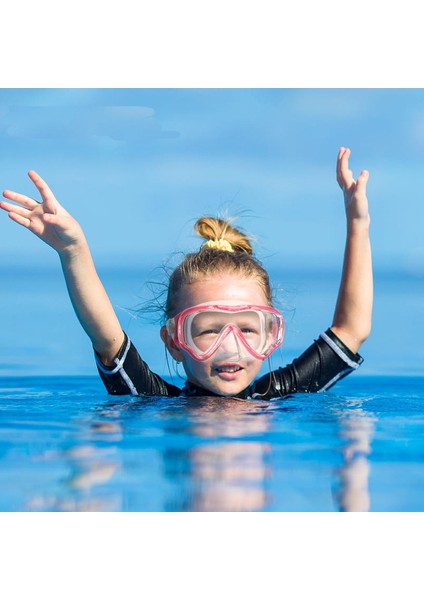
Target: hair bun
{"points": [[220, 235]]}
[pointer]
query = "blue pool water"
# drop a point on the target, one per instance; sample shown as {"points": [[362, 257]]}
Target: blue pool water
{"points": [[66, 446]]}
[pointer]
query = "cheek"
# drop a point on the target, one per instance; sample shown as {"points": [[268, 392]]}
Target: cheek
{"points": [[255, 367], [195, 367]]}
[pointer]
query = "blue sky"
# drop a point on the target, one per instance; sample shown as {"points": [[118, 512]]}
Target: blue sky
{"points": [[138, 166]]}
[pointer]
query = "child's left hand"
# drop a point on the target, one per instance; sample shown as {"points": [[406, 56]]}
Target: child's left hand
{"points": [[356, 203]]}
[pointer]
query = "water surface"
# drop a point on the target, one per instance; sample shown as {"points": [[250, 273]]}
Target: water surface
{"points": [[67, 446]]}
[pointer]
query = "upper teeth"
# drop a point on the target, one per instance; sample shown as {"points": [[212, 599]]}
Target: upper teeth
{"points": [[229, 369]]}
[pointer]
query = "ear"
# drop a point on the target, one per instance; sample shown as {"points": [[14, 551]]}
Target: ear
{"points": [[170, 345]]}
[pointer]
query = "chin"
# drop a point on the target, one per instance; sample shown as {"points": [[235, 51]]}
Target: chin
{"points": [[226, 388]]}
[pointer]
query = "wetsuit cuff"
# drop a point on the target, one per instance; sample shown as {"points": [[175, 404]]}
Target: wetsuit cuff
{"points": [[349, 357]]}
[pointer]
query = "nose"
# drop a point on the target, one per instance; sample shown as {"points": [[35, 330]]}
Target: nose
{"points": [[232, 346]]}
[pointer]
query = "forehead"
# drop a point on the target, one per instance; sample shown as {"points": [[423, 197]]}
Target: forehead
{"points": [[232, 289]]}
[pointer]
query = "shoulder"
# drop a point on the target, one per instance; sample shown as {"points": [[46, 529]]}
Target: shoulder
{"points": [[131, 375], [319, 367]]}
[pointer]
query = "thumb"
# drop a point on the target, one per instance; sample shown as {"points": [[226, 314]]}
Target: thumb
{"points": [[361, 182], [50, 218]]}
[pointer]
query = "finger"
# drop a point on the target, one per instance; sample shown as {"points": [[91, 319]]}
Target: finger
{"points": [[346, 176], [344, 159], [19, 219], [342, 150], [49, 201], [24, 212], [20, 199]]}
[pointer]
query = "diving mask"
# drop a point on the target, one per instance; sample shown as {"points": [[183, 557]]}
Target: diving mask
{"points": [[223, 331]]}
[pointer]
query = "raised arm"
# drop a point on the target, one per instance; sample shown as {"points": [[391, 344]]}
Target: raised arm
{"points": [[56, 227], [352, 317]]}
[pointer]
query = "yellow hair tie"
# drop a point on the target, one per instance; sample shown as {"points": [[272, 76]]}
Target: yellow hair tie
{"points": [[218, 245]]}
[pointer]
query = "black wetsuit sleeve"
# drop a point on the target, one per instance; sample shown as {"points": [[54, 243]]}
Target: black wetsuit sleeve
{"points": [[324, 363], [131, 375]]}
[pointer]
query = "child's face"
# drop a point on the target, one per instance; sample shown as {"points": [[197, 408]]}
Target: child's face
{"points": [[217, 376]]}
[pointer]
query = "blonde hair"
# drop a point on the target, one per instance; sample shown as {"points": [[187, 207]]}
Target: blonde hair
{"points": [[216, 231], [226, 250]]}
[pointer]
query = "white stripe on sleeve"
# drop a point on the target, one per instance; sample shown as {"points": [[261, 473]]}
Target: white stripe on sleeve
{"points": [[352, 364]]}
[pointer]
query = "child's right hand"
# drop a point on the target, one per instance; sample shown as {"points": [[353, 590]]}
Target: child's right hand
{"points": [[47, 219], [355, 192]]}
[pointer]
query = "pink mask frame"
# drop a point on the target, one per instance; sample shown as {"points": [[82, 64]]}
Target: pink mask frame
{"points": [[175, 328]]}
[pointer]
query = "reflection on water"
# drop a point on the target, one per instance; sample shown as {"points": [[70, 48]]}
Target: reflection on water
{"points": [[89, 465], [215, 453], [228, 470], [229, 477], [356, 429]]}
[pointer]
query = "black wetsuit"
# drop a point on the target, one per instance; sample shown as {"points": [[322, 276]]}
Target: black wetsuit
{"points": [[324, 363]]}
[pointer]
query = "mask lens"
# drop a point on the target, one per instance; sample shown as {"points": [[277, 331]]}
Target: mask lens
{"points": [[257, 329], [206, 327]]}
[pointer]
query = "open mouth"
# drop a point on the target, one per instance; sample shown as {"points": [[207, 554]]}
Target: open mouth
{"points": [[229, 369]]}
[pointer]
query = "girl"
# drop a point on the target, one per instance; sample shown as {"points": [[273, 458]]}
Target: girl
{"points": [[220, 321]]}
